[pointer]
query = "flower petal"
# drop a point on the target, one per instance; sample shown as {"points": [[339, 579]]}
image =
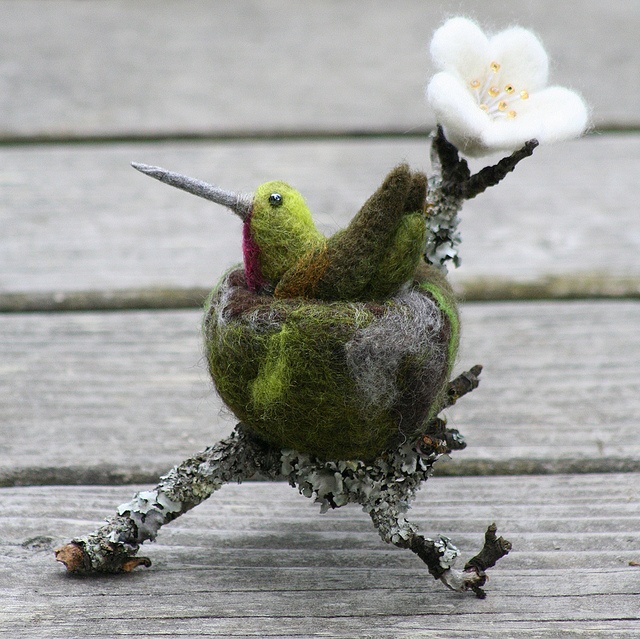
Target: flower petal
{"points": [[459, 46], [550, 115], [457, 111], [510, 135], [511, 118], [562, 114], [523, 60]]}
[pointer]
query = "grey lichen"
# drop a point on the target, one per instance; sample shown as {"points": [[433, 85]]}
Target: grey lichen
{"points": [[386, 485], [443, 208], [443, 237], [448, 552], [149, 510]]}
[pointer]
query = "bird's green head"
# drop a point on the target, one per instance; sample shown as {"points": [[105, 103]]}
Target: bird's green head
{"points": [[277, 226], [282, 228]]}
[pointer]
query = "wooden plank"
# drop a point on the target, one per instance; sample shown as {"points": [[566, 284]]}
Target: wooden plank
{"points": [[124, 393], [116, 397], [554, 385], [113, 68], [79, 218], [257, 560]]}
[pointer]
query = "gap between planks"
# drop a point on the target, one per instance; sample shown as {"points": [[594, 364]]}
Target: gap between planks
{"points": [[579, 286]]}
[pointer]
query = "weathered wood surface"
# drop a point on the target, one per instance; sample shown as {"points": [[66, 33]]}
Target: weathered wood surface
{"points": [[120, 397], [80, 218], [108, 67], [258, 560]]}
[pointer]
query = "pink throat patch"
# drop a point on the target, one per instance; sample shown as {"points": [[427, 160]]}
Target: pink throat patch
{"points": [[251, 254]]}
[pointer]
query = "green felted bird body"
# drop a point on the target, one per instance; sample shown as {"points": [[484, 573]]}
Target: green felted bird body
{"points": [[338, 347], [374, 256]]}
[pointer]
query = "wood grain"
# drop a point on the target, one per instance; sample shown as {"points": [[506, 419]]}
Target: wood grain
{"points": [[79, 218], [112, 68], [258, 560]]}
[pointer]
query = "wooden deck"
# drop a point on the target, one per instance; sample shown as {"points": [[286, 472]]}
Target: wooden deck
{"points": [[103, 386]]}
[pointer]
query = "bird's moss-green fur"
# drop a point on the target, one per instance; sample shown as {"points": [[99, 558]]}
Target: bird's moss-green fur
{"points": [[339, 380]]}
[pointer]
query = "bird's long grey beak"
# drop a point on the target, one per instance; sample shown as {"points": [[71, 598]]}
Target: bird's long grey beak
{"points": [[239, 203]]}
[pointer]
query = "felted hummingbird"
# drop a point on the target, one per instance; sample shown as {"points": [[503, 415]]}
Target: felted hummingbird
{"points": [[331, 346], [286, 255]]}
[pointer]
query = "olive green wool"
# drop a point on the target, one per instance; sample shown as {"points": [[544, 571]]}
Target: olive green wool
{"points": [[341, 379], [370, 259]]}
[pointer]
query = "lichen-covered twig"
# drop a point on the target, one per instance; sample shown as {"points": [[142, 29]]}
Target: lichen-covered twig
{"points": [[113, 546], [450, 185], [384, 488]]}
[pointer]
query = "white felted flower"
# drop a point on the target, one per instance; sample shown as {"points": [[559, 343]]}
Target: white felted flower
{"points": [[491, 93]]}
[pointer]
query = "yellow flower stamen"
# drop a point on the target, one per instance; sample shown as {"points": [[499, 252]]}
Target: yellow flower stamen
{"points": [[491, 97]]}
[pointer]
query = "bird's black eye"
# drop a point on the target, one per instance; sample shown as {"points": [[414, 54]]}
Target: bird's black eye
{"points": [[275, 199]]}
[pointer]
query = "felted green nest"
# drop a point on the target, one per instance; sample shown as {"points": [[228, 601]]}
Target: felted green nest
{"points": [[338, 380]]}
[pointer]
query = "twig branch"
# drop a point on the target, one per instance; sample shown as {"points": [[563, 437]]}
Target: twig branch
{"points": [[112, 547], [494, 549], [384, 487], [461, 385], [452, 184], [457, 180]]}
